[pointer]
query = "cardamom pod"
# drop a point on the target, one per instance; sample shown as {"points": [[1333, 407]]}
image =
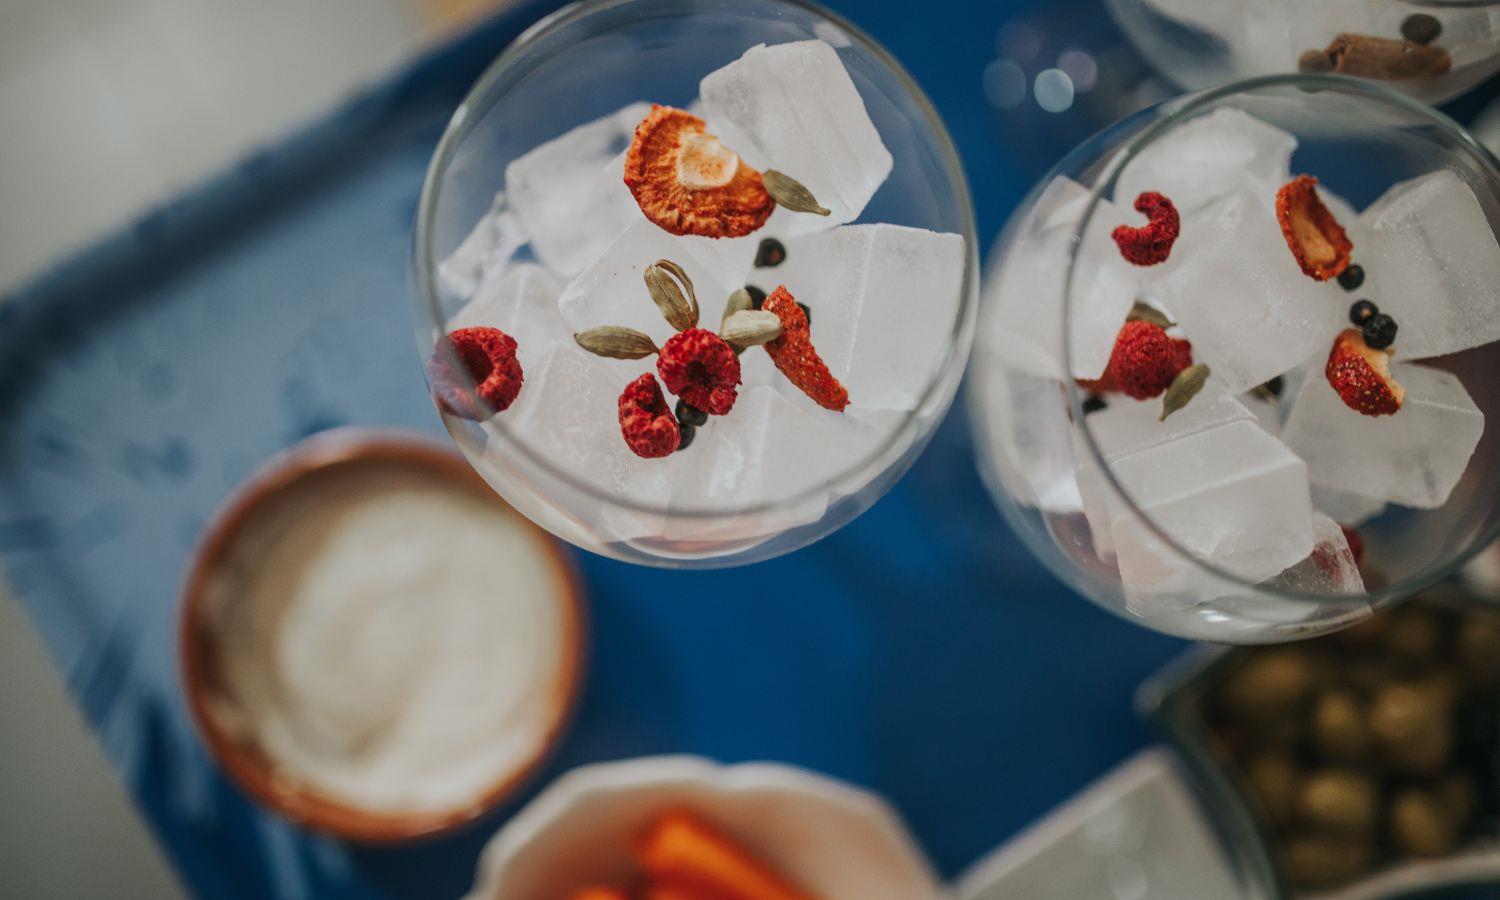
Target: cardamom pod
{"points": [[616, 342], [789, 192], [672, 291], [750, 328], [1184, 388], [1143, 313], [739, 301]]}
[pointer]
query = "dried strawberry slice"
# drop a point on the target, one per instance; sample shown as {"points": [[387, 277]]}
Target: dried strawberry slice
{"points": [[1362, 375], [646, 422], [688, 183], [1315, 237], [794, 355], [475, 372]]}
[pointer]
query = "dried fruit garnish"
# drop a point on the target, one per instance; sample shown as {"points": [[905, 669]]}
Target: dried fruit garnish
{"points": [[1145, 359], [645, 421], [1315, 237], [794, 355], [487, 377], [1385, 59], [698, 366], [1150, 243], [1362, 375], [688, 183]]}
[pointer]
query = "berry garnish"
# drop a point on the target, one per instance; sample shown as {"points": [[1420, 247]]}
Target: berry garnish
{"points": [[794, 355], [1151, 243], [645, 421], [1380, 331], [757, 296], [1145, 359], [1352, 277], [688, 432], [698, 366], [770, 254], [1314, 236], [486, 379], [1361, 312], [1362, 375], [689, 414], [1094, 403], [688, 183]]}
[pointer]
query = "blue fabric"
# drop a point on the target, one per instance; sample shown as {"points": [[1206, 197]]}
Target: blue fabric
{"points": [[920, 651]]}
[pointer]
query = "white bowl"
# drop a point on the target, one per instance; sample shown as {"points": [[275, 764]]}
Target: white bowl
{"points": [[834, 840]]}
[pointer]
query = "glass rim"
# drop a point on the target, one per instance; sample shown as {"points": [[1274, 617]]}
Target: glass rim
{"points": [[464, 118], [1180, 110]]}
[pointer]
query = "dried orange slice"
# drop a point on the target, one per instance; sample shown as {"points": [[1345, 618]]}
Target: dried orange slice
{"points": [[1315, 237], [688, 183]]}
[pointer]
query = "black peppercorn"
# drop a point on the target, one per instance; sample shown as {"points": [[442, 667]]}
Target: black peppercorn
{"points": [[1421, 28], [687, 437], [1380, 331], [1351, 278], [757, 296], [1362, 311], [772, 253], [690, 415]]}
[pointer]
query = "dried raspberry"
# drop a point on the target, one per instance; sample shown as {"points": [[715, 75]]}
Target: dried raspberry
{"points": [[1356, 544], [1315, 237], [1150, 243], [487, 369], [794, 355], [698, 366], [688, 183], [1104, 384], [645, 421], [1145, 359], [1362, 375]]}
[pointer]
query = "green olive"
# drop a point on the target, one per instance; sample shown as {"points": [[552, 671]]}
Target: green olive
{"points": [[1420, 825], [1321, 860], [1340, 727], [1412, 727], [1339, 800]]}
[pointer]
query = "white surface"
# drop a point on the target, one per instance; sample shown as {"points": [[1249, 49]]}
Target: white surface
{"points": [[1135, 834], [832, 839]]}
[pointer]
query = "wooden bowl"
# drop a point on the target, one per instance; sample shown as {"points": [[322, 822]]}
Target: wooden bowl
{"points": [[244, 761]]}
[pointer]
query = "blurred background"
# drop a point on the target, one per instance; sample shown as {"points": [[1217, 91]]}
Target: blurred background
{"points": [[109, 107]]}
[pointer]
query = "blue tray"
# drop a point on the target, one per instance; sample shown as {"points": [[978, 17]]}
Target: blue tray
{"points": [[920, 651]]}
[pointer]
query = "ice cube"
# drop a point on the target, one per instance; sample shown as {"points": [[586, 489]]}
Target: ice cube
{"points": [[1209, 477], [884, 301], [568, 414], [1206, 159], [1346, 509], [1241, 298], [793, 107], [1025, 311], [1329, 569], [612, 290], [1267, 411], [486, 249], [1413, 458], [569, 193], [522, 302], [768, 450], [1040, 454], [1432, 263]]}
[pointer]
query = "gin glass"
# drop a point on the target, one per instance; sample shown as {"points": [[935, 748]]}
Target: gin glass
{"points": [[524, 198], [1432, 50], [1241, 515]]}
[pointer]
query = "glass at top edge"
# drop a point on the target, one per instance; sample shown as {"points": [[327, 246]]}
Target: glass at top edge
{"points": [[1172, 113], [487, 91]]}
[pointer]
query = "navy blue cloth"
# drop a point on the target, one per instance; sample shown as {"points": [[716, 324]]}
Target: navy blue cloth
{"points": [[920, 651]]}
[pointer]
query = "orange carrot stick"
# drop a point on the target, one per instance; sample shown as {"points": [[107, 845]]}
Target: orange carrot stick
{"points": [[684, 852], [600, 892]]}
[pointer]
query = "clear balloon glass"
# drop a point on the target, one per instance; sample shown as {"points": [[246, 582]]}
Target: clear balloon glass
{"points": [[1064, 471], [594, 60], [1202, 43]]}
